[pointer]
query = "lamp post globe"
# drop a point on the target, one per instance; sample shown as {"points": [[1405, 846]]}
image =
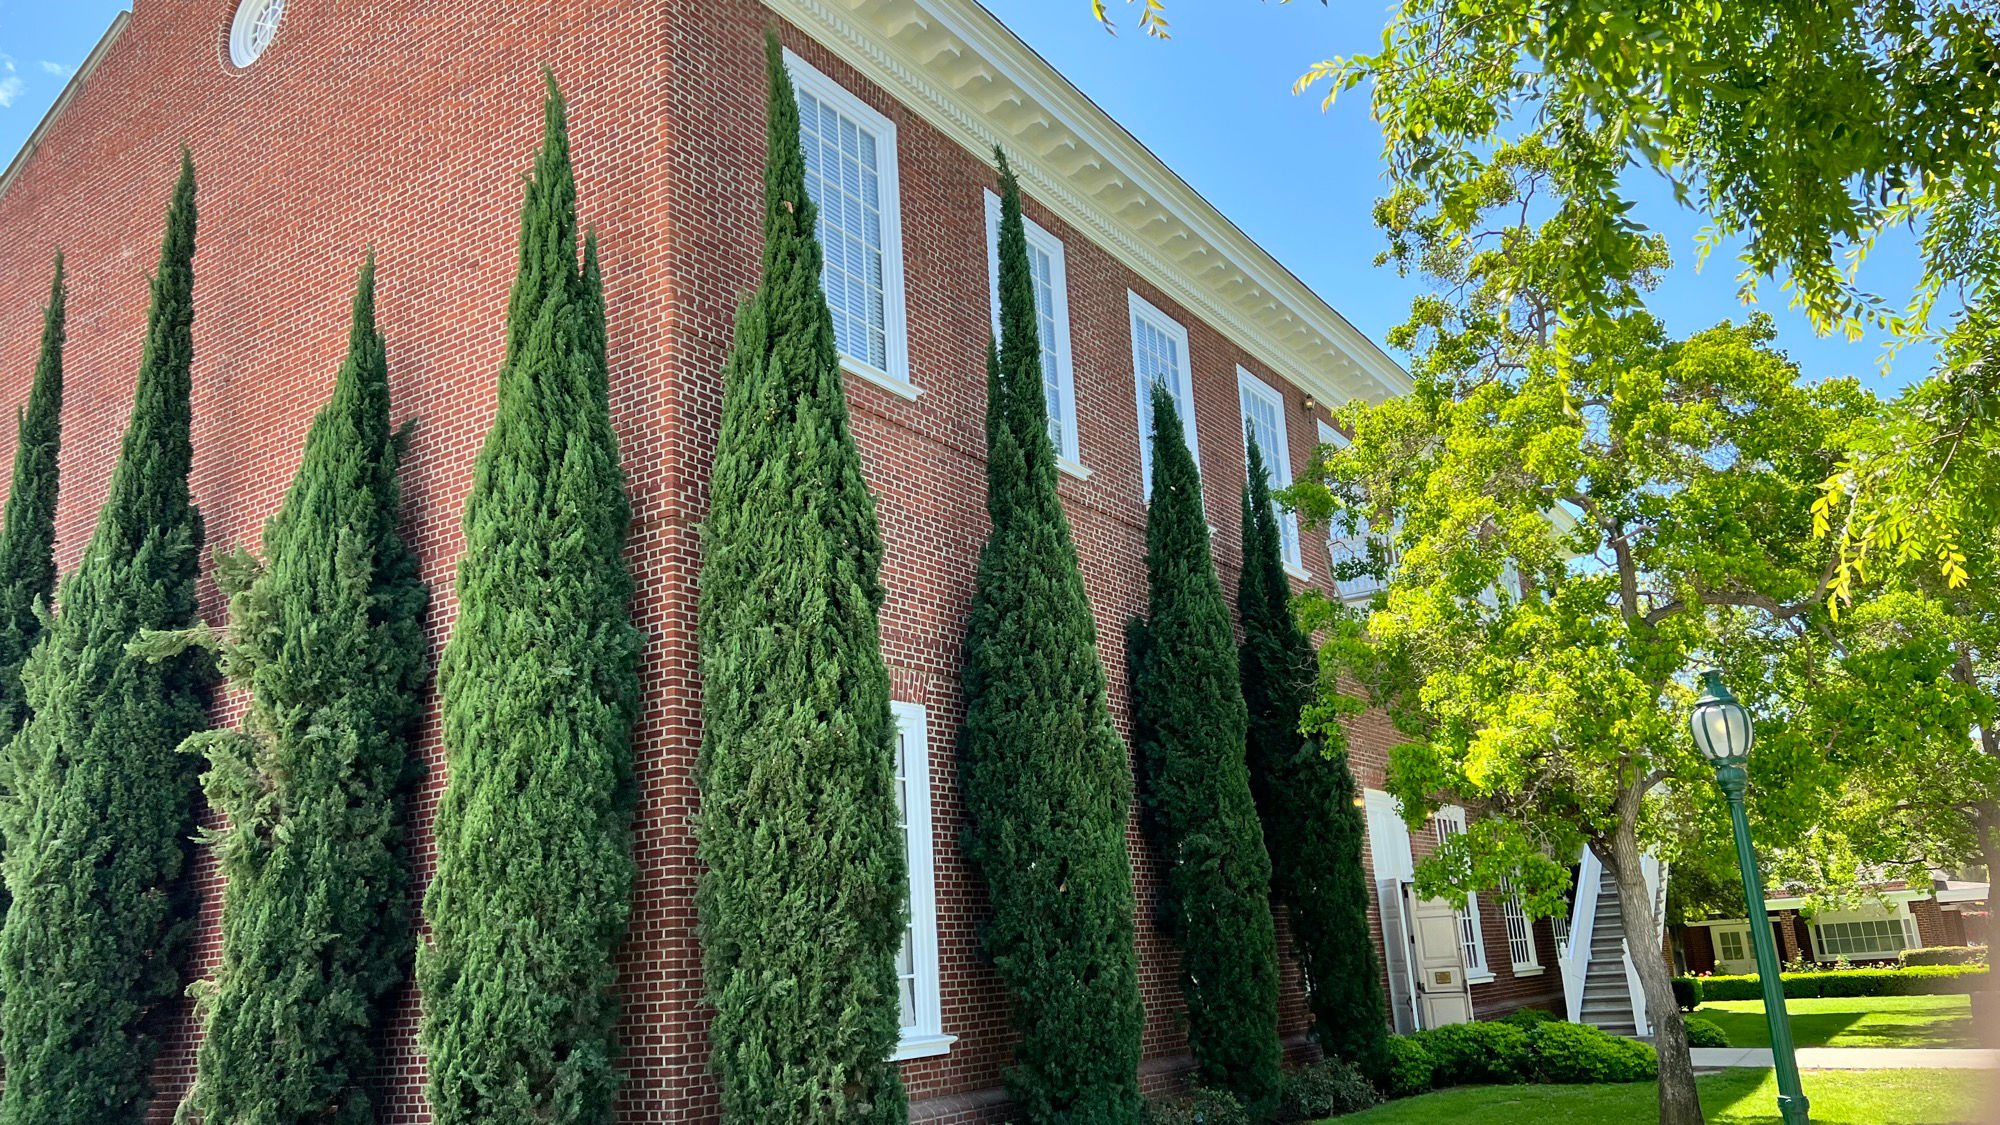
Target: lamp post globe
{"points": [[1722, 732]]}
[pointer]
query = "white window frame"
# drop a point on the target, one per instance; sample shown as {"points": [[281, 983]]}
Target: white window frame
{"points": [[1277, 461], [1745, 952], [924, 1036], [895, 376], [1520, 936], [1388, 837], [1142, 309], [1897, 916], [1447, 822], [1069, 457], [1338, 545]]}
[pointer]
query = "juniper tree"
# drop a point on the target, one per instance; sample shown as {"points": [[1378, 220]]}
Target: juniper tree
{"points": [[1190, 727], [1305, 798], [326, 638], [1045, 775], [97, 832], [803, 898], [540, 688], [28, 539]]}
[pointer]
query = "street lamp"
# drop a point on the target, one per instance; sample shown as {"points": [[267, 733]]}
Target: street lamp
{"points": [[1722, 732]]}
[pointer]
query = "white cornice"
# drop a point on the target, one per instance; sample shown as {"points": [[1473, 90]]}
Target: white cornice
{"points": [[952, 63], [76, 81]]}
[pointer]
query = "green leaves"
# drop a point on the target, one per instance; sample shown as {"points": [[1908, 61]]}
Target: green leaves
{"points": [[1044, 771]]}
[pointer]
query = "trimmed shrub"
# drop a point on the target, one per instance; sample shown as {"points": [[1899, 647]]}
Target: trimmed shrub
{"points": [[1528, 1019], [1480, 1051], [1688, 993], [1202, 1107], [1705, 1033], [1327, 1088], [1945, 955], [1577, 1053], [1917, 980], [1412, 1068]]}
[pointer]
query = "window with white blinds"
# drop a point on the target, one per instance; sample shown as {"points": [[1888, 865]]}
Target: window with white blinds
{"points": [[1160, 356], [850, 153], [917, 960], [1449, 822], [1876, 939], [1046, 264], [1264, 420]]}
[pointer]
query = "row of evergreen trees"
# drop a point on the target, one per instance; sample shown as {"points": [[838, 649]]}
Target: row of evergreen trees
{"points": [[803, 896], [104, 705]]}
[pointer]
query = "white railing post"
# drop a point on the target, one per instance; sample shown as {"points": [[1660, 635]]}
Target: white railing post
{"points": [[1575, 959]]}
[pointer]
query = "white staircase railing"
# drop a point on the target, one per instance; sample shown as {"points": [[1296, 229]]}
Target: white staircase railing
{"points": [[1575, 957]]}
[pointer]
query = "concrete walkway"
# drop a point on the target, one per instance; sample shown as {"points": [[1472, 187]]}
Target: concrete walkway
{"points": [[1853, 1058]]}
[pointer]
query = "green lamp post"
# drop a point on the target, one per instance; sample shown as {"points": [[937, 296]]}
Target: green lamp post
{"points": [[1722, 732]]}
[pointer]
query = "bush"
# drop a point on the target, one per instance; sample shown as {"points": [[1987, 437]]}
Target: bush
{"points": [[1706, 1033], [1466, 1053], [1917, 980], [1202, 1107], [1945, 955], [1688, 993], [1327, 1088], [1574, 1053], [1412, 1068], [1527, 1019]]}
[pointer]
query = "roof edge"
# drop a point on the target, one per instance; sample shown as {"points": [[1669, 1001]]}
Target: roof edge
{"points": [[76, 82]]}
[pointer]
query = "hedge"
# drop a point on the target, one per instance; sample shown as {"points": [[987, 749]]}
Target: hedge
{"points": [[1412, 1068], [1705, 1033], [1688, 993], [1916, 980], [1482, 1051], [1575, 1052], [1945, 955]]}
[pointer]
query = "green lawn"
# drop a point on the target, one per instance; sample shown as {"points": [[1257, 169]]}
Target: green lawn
{"points": [[1869, 1021], [1734, 1097]]}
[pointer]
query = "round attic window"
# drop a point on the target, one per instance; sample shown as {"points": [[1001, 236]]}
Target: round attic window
{"points": [[256, 24]]}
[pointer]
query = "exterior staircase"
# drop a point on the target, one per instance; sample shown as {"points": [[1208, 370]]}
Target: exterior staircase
{"points": [[1600, 986], [1607, 1000]]}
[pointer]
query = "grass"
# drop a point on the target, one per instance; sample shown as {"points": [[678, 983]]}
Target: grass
{"points": [[1867, 1021], [1734, 1097]]}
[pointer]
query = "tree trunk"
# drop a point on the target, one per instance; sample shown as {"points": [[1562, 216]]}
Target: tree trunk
{"points": [[1680, 1103], [1986, 828]]}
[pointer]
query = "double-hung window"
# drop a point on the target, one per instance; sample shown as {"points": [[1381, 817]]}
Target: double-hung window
{"points": [[1874, 939], [1354, 547], [917, 960], [1046, 267], [1449, 822], [1264, 420], [850, 152], [1160, 357], [1732, 945]]}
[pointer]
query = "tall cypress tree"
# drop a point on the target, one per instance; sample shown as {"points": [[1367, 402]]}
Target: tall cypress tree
{"points": [[1189, 724], [540, 688], [1044, 772], [803, 900], [97, 834], [327, 639], [1305, 796], [28, 540]]}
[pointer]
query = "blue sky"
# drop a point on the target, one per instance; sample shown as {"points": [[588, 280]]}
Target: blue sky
{"points": [[1215, 103]]}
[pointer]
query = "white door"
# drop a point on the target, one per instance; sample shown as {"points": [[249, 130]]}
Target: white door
{"points": [[1442, 994]]}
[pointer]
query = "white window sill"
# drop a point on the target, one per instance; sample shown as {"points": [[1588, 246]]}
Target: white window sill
{"points": [[922, 1047], [901, 388], [1528, 971], [1073, 468], [1479, 976], [1298, 572]]}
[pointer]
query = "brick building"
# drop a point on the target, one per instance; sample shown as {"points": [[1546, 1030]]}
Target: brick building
{"points": [[321, 127], [1881, 921]]}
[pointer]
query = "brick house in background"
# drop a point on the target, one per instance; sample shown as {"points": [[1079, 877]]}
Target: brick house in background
{"points": [[1953, 908], [319, 129]]}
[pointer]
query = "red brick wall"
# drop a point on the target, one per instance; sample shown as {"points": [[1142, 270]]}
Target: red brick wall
{"points": [[1930, 923], [406, 125]]}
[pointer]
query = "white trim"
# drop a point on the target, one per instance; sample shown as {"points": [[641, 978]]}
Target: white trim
{"points": [[1388, 837], [1277, 461], [1520, 930], [924, 1035], [1339, 546], [243, 46], [1144, 310], [893, 374], [77, 80], [954, 64], [1471, 926], [1040, 239]]}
